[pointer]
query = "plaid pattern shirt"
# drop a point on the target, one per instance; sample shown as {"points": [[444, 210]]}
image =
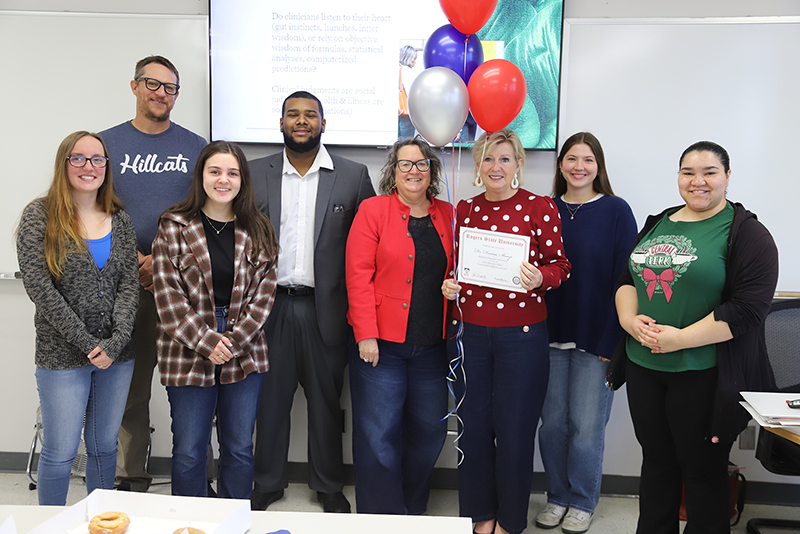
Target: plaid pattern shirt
{"points": [[187, 328]]}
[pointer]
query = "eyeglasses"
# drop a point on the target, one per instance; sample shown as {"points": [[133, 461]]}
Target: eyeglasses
{"points": [[422, 165], [153, 85], [80, 161]]}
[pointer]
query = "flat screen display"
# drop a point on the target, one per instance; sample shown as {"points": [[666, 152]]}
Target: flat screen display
{"points": [[347, 54]]}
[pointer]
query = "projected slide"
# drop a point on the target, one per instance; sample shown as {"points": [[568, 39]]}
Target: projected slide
{"points": [[346, 53]]}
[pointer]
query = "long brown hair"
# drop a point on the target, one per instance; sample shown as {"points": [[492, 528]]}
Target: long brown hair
{"points": [[63, 232], [248, 216], [601, 183]]}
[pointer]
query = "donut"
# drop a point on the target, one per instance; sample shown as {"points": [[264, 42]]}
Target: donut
{"points": [[109, 523], [188, 530]]}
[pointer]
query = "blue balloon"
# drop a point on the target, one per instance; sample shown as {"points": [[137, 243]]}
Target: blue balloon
{"points": [[446, 48]]}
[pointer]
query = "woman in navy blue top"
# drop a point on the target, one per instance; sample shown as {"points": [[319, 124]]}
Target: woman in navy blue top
{"points": [[599, 230]]}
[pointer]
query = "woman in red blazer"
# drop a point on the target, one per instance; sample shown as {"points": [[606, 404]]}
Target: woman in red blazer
{"points": [[399, 251]]}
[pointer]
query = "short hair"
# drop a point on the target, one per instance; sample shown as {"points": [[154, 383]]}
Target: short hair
{"points": [[387, 181], [488, 141], [708, 146], [407, 55], [160, 60], [601, 183], [303, 94]]}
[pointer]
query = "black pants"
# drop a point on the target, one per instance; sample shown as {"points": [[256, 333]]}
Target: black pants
{"points": [[297, 354], [671, 415]]}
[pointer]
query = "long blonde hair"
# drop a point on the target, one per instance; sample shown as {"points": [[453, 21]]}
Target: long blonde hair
{"points": [[63, 230]]}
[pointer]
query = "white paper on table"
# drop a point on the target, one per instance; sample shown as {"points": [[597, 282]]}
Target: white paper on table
{"points": [[757, 417], [773, 407], [794, 429], [492, 259]]}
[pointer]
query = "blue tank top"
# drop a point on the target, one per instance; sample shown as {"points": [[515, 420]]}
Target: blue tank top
{"points": [[100, 249]]}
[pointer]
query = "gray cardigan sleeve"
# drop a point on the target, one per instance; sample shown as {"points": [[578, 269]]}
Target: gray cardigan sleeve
{"points": [[38, 281], [126, 301]]}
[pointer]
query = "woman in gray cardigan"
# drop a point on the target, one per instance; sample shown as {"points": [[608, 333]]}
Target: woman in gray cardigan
{"points": [[77, 253]]}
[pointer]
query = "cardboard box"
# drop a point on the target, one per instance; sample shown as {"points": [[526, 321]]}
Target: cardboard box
{"points": [[153, 514]]}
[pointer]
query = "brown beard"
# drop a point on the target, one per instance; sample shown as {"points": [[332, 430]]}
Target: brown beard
{"points": [[149, 115], [156, 118]]}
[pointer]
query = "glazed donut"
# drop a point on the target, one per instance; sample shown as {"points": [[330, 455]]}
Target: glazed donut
{"points": [[109, 523], [188, 530]]}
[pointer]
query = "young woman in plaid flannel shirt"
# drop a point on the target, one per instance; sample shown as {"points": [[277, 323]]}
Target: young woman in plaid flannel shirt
{"points": [[214, 272]]}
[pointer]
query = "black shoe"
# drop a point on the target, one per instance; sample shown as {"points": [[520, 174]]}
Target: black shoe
{"points": [[260, 501], [334, 502]]}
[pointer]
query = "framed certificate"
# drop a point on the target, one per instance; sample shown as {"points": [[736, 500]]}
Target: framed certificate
{"points": [[491, 259]]}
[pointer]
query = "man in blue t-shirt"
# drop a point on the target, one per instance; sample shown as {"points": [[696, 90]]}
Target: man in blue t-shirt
{"points": [[152, 160]]}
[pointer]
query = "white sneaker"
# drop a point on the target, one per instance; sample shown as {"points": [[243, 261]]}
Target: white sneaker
{"points": [[576, 521], [550, 516]]}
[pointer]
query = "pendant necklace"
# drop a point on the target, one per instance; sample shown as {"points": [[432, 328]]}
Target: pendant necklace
{"points": [[571, 211], [214, 227]]}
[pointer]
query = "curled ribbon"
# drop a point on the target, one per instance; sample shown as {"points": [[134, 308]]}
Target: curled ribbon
{"points": [[666, 276]]}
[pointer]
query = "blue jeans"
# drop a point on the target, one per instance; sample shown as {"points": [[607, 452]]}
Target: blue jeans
{"points": [[502, 380], [66, 397], [398, 431], [572, 436], [192, 409]]}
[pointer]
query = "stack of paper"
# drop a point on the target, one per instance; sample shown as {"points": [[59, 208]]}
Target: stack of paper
{"points": [[771, 409]]}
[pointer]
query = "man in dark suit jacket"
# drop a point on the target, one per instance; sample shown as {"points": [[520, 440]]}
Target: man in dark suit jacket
{"points": [[311, 198]]}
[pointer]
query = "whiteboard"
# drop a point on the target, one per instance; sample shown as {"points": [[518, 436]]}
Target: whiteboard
{"points": [[64, 72], [649, 88]]}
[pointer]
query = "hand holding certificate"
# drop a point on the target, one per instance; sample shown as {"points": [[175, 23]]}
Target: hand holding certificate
{"points": [[492, 259]]}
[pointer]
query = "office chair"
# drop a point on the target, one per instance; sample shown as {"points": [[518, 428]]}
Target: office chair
{"points": [[777, 454]]}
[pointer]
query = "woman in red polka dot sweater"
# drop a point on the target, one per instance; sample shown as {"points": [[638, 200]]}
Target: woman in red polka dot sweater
{"points": [[504, 366]]}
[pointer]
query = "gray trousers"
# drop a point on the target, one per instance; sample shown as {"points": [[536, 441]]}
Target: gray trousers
{"points": [[297, 354]]}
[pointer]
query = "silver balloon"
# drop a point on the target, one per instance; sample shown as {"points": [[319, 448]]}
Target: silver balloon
{"points": [[438, 103]]}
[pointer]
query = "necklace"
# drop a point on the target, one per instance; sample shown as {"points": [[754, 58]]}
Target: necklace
{"points": [[571, 211], [214, 227]]}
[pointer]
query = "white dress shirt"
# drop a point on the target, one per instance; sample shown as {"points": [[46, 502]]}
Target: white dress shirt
{"points": [[298, 205]]}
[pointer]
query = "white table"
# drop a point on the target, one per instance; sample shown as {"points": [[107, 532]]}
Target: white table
{"points": [[27, 517]]}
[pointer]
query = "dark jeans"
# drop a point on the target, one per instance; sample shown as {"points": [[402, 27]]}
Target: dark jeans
{"points": [[671, 415], [192, 409], [502, 380], [398, 426]]}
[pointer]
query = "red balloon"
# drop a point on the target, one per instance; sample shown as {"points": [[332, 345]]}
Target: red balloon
{"points": [[468, 16], [497, 93]]}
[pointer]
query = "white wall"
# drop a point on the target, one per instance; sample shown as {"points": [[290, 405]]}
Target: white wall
{"points": [[19, 398]]}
